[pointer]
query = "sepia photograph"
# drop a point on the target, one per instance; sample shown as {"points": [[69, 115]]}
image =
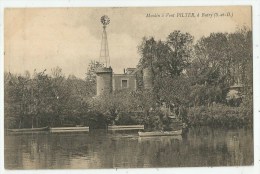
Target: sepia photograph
{"points": [[128, 87]]}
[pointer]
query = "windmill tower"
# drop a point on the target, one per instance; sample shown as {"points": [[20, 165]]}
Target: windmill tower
{"points": [[104, 52], [104, 74]]}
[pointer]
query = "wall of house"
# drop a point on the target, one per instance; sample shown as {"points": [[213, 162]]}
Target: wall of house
{"points": [[124, 81]]}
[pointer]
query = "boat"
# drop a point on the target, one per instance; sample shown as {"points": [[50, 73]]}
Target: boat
{"points": [[125, 127], [29, 129], [69, 129], [159, 138], [160, 133]]}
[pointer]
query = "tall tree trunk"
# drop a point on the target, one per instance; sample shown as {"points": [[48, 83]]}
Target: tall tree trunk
{"points": [[20, 123], [37, 123], [32, 121]]}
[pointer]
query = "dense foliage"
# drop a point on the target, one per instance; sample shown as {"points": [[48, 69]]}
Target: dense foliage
{"points": [[44, 99], [191, 78], [199, 73], [220, 115]]}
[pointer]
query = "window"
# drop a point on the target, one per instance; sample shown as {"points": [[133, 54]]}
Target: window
{"points": [[124, 84]]}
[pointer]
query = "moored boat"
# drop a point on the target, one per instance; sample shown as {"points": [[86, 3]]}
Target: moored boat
{"points": [[160, 138], [69, 129], [125, 127], [29, 129], [160, 133]]}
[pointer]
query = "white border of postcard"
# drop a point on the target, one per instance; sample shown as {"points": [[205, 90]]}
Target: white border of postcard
{"points": [[145, 3]]}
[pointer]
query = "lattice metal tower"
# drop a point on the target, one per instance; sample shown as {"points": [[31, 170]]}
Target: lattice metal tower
{"points": [[104, 74], [104, 52]]}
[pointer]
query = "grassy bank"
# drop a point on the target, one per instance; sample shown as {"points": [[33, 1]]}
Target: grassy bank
{"points": [[220, 115]]}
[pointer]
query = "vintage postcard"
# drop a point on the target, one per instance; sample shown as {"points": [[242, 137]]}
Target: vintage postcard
{"points": [[129, 87]]}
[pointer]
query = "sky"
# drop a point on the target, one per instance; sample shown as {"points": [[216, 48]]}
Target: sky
{"points": [[43, 38]]}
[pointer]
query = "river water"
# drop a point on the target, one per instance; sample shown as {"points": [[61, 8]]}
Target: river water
{"points": [[124, 149]]}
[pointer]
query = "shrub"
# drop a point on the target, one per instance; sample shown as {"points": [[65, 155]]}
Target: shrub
{"points": [[220, 115], [126, 119]]}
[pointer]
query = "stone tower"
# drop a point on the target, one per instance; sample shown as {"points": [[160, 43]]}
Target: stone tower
{"points": [[104, 80], [104, 74]]}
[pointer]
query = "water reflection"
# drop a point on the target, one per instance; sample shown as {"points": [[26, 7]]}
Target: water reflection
{"points": [[124, 149]]}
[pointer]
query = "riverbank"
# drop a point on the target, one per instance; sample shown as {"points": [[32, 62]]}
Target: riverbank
{"points": [[213, 116], [217, 115], [220, 116]]}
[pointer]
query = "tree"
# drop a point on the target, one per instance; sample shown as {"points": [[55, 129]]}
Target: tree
{"points": [[167, 61], [147, 51], [222, 60], [91, 72], [181, 45], [12, 100], [167, 58], [91, 76], [173, 90]]}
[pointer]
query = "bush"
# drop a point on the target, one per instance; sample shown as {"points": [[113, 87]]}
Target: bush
{"points": [[96, 120], [220, 115], [126, 119]]}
